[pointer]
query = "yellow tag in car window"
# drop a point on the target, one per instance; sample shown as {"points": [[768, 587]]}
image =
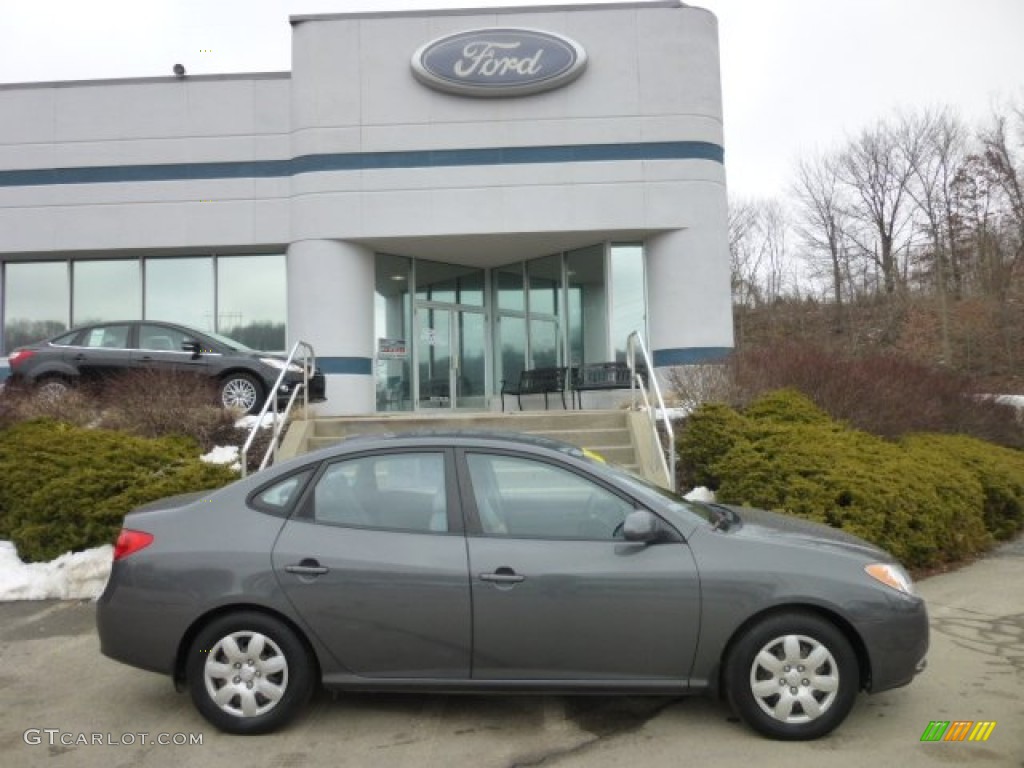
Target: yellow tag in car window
{"points": [[593, 455]]}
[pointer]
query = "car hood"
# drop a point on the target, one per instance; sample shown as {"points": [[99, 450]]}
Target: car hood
{"points": [[787, 529]]}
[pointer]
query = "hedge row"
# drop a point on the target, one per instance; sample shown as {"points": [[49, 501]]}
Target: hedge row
{"points": [[928, 499], [68, 488]]}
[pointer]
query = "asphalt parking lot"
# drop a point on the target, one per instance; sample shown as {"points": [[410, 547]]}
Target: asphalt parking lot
{"points": [[58, 695]]}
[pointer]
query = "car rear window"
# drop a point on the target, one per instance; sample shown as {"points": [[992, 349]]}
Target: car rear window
{"points": [[65, 340], [279, 497]]}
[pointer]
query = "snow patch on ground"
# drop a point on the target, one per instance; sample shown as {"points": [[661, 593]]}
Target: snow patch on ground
{"points": [[700, 493], [223, 454], [1017, 401], [248, 422], [72, 576]]}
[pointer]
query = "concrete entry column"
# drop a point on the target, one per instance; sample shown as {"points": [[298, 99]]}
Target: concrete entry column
{"points": [[689, 295], [330, 305]]}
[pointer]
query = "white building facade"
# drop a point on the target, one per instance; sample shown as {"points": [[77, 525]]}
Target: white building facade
{"points": [[434, 200]]}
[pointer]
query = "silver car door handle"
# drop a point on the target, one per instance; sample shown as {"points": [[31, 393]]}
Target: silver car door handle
{"points": [[306, 570], [503, 576]]}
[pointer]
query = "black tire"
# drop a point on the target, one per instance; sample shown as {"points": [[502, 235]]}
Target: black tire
{"points": [[816, 679], [241, 391], [52, 387], [275, 683]]}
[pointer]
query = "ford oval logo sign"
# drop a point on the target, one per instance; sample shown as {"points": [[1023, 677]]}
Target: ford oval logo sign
{"points": [[499, 62]]}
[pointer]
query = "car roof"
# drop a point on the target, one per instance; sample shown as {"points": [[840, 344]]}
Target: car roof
{"points": [[489, 438]]}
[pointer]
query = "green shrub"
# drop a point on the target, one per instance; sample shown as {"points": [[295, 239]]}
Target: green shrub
{"points": [[786, 406], [999, 470], [707, 435], [928, 499], [67, 488]]}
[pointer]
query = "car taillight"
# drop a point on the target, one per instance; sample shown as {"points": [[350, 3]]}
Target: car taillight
{"points": [[129, 542], [19, 356]]}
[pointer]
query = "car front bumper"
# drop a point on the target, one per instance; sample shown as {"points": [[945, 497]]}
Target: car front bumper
{"points": [[897, 644], [317, 388]]}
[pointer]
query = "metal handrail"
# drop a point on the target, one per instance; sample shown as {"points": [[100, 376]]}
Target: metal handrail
{"points": [[636, 383], [308, 364]]}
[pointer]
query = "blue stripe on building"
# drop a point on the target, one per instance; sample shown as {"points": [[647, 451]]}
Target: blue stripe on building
{"points": [[690, 356], [358, 366], [365, 161]]}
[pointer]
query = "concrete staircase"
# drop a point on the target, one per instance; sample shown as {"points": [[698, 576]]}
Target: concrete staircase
{"points": [[605, 432]]}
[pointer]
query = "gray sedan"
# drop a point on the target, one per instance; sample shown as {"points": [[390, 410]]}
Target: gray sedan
{"points": [[482, 563]]}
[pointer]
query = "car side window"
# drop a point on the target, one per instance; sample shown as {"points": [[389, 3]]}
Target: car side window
{"points": [[158, 338], [278, 498], [395, 491], [66, 339], [106, 337], [521, 497]]}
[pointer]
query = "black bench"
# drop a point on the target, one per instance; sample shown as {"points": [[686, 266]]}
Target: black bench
{"points": [[535, 382], [598, 376]]}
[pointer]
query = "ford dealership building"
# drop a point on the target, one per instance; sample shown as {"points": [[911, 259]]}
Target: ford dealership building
{"points": [[434, 200]]}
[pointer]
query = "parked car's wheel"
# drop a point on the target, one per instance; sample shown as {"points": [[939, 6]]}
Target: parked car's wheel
{"points": [[792, 676], [242, 391], [52, 388], [249, 673]]}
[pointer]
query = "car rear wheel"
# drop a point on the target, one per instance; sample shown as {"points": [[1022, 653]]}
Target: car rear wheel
{"points": [[792, 676], [52, 388], [241, 391], [249, 673]]}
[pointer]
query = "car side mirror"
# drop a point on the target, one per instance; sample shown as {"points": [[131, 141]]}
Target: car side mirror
{"points": [[191, 345], [640, 525]]}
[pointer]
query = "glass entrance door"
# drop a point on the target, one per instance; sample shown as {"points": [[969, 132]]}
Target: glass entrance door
{"points": [[451, 361]]}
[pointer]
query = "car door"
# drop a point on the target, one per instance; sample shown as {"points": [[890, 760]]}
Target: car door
{"points": [[158, 348], [100, 352], [556, 594], [375, 563]]}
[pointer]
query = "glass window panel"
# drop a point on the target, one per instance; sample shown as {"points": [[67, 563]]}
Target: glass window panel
{"points": [[508, 286], [252, 300], [588, 305], [391, 322], [545, 277], [449, 283], [627, 278], [106, 290], [543, 343], [37, 297], [180, 291], [404, 491], [511, 337], [531, 499], [471, 380]]}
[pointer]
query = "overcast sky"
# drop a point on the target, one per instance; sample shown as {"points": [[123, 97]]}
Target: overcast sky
{"points": [[798, 75]]}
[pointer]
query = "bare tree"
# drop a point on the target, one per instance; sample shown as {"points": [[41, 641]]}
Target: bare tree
{"points": [[1007, 173], [877, 166], [821, 221], [937, 152], [758, 251]]}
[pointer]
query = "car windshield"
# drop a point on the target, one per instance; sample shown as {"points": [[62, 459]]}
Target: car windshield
{"points": [[675, 501]]}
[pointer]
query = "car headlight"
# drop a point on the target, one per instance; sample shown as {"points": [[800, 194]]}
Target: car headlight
{"points": [[891, 575], [273, 362]]}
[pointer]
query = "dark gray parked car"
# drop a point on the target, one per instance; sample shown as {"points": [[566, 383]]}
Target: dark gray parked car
{"points": [[467, 562], [91, 353]]}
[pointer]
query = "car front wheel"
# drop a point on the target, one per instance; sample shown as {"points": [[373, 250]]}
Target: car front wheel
{"points": [[792, 676], [241, 391], [249, 673]]}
